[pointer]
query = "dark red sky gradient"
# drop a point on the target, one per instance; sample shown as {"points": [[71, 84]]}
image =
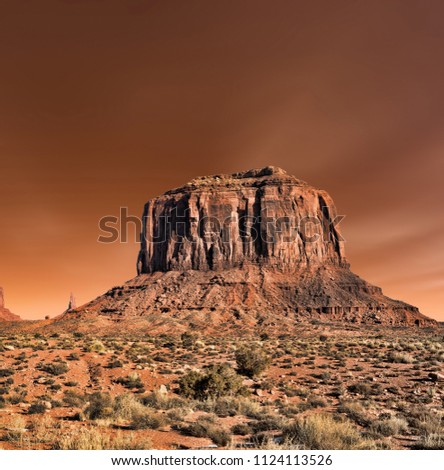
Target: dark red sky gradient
{"points": [[106, 103]]}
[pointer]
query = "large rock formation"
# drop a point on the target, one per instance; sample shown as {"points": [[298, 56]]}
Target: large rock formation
{"points": [[5, 314], [263, 217], [258, 250]]}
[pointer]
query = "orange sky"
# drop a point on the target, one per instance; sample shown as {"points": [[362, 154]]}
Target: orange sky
{"points": [[106, 103]]}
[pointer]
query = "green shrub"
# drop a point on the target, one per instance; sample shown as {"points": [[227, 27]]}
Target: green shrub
{"points": [[6, 372], [71, 383], [37, 408], [55, 368], [216, 381], [251, 361]]}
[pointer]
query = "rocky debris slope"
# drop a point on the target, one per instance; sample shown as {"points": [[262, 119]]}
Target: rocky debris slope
{"points": [[253, 250], [5, 314]]}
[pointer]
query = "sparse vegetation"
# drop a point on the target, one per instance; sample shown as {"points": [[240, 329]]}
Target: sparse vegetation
{"points": [[318, 390]]}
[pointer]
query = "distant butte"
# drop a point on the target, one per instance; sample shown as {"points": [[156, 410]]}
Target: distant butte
{"points": [[257, 250], [5, 314]]}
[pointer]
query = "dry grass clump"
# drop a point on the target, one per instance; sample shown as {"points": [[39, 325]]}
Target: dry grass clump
{"points": [[400, 358], [96, 439], [95, 346], [355, 411], [232, 406], [205, 426], [148, 419], [126, 407], [389, 427], [42, 429], [131, 381], [100, 406], [15, 428], [431, 442], [273, 444], [322, 432], [162, 401], [431, 428]]}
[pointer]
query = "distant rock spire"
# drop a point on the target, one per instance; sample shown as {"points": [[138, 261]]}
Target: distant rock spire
{"points": [[2, 299], [72, 302]]}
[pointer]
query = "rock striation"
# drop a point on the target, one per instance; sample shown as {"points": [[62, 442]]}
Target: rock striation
{"points": [[259, 250], [5, 314]]}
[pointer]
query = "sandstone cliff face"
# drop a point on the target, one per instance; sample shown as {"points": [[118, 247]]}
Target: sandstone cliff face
{"points": [[253, 251], [263, 217], [5, 314]]}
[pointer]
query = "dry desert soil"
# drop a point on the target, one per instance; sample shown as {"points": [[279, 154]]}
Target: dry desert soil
{"points": [[322, 387]]}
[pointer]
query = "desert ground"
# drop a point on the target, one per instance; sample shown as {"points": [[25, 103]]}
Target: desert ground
{"points": [[325, 386]]}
